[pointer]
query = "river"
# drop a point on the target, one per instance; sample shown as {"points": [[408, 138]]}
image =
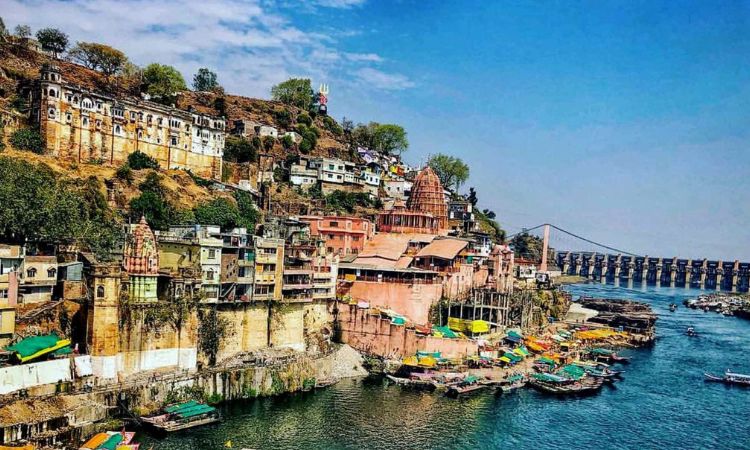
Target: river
{"points": [[662, 402]]}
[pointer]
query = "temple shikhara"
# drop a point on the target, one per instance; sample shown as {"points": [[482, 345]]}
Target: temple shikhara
{"points": [[425, 211]]}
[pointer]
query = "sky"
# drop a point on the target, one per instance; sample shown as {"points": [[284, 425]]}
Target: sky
{"points": [[627, 122]]}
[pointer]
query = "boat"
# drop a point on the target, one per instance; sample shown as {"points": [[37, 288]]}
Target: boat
{"points": [[606, 355], [414, 382], [512, 383], [120, 440], [468, 385], [691, 332], [729, 378], [558, 385], [182, 416], [673, 307]]}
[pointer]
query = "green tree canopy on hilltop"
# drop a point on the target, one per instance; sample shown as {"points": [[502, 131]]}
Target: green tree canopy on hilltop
{"points": [[103, 58], [451, 171], [163, 82], [385, 138], [53, 40], [205, 80], [295, 92]]}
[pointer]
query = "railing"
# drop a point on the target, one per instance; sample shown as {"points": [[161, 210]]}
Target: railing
{"points": [[394, 280]]}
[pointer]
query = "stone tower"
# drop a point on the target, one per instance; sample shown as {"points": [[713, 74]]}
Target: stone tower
{"points": [[141, 262], [427, 196]]}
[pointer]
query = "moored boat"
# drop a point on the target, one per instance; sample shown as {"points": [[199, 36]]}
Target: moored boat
{"points": [[120, 440], [558, 385], [181, 416], [468, 385]]}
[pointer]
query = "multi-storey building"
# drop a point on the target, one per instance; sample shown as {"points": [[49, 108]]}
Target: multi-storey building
{"points": [[330, 170], [83, 125], [343, 235], [193, 247], [38, 278], [237, 261], [269, 268]]}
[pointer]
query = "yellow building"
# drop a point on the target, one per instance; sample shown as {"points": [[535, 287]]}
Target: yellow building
{"points": [[86, 126], [193, 247]]}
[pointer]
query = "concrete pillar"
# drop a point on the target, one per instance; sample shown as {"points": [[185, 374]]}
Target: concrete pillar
{"points": [[735, 272], [704, 268], [673, 272], [719, 276], [659, 268], [618, 263]]}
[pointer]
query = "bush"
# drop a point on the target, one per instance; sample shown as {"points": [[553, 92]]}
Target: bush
{"points": [[305, 119], [283, 118], [240, 150], [287, 142], [268, 142], [139, 160], [249, 214], [331, 125], [221, 211], [28, 140], [348, 201], [125, 173]]}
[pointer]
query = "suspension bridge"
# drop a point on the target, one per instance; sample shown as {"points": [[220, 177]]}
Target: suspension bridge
{"points": [[576, 255]]}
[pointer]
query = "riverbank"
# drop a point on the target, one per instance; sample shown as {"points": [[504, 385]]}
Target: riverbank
{"points": [[69, 418]]}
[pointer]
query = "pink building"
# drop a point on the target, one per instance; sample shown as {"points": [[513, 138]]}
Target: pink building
{"points": [[343, 235]]}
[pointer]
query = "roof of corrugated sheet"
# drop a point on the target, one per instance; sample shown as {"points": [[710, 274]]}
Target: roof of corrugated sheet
{"points": [[443, 248]]}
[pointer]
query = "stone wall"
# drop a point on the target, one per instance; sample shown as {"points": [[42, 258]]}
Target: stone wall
{"points": [[375, 336], [412, 300]]}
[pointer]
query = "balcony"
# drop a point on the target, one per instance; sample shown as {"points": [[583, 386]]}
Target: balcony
{"points": [[265, 278], [297, 298], [261, 258], [298, 271], [297, 285]]}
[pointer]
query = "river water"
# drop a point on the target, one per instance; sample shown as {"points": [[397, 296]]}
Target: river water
{"points": [[662, 402]]}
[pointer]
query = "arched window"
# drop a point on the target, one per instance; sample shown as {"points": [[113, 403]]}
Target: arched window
{"points": [[52, 93], [210, 274], [86, 103], [51, 272], [75, 99], [51, 113], [100, 292], [31, 273], [85, 121], [178, 292], [118, 130]]}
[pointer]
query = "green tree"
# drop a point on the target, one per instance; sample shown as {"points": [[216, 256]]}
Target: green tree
{"points": [[249, 214], [239, 149], [139, 160], [527, 246], [220, 105], [385, 138], [163, 82], [221, 211], [451, 171], [3, 30], [309, 138], [331, 125], [27, 139], [287, 142], [283, 118], [153, 207], [295, 92], [473, 197], [52, 40], [36, 204], [105, 59], [268, 142], [23, 32], [125, 173], [205, 80]]}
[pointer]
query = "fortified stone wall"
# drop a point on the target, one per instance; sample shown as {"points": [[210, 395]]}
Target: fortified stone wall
{"points": [[412, 300]]}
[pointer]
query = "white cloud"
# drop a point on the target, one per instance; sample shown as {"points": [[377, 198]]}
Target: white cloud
{"points": [[340, 3], [381, 80], [250, 46]]}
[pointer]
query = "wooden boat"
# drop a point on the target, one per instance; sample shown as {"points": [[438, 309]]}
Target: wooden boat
{"points": [[110, 439], [512, 383], [326, 382], [566, 386], [182, 416], [691, 332], [729, 378], [459, 389], [414, 382], [673, 307]]}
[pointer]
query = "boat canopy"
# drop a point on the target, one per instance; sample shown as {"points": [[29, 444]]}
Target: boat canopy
{"points": [[549, 377], [602, 351], [189, 409], [573, 371]]}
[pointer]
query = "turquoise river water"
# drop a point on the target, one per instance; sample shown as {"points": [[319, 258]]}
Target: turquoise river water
{"points": [[662, 402]]}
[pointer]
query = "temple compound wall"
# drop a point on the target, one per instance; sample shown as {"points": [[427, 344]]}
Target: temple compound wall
{"points": [[81, 125]]}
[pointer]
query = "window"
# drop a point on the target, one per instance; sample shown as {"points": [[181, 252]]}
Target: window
{"points": [[118, 112], [211, 254], [132, 115], [51, 272], [173, 140], [98, 106], [118, 129], [100, 292], [210, 274], [51, 113], [334, 224], [331, 167], [31, 273], [52, 93], [85, 121], [86, 103]]}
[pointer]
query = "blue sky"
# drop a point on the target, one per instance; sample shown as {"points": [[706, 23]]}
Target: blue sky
{"points": [[626, 122]]}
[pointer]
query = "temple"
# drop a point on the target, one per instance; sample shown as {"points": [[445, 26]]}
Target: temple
{"points": [[425, 211], [141, 262]]}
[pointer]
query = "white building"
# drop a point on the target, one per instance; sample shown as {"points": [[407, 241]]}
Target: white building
{"points": [[397, 188], [296, 138], [330, 170], [266, 130]]}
